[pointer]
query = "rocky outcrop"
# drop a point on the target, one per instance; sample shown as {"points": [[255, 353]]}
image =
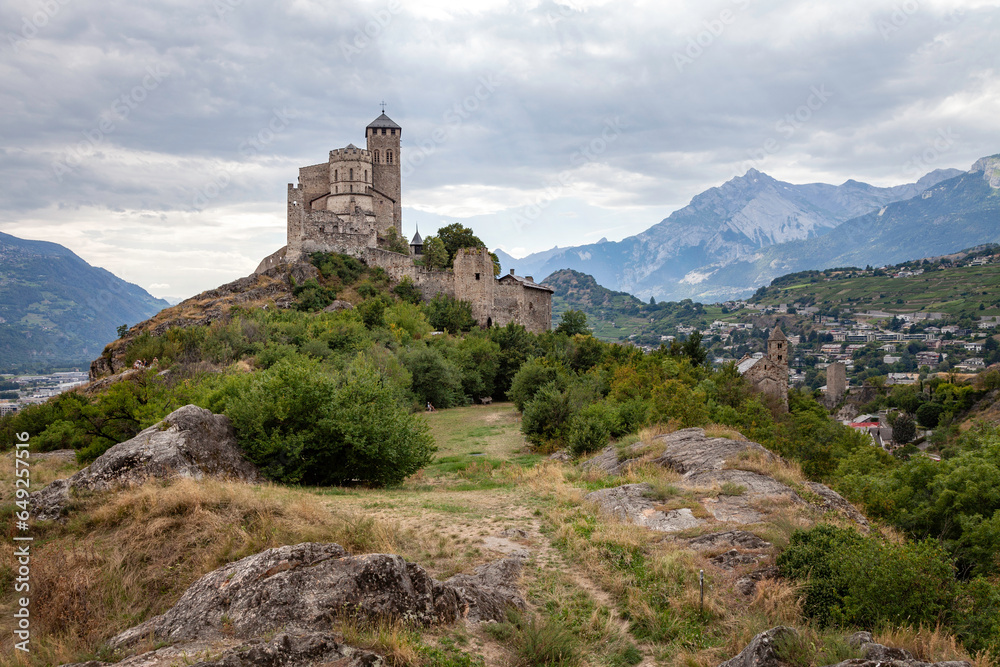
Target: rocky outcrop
{"points": [[338, 305], [709, 464], [764, 650], [728, 539], [990, 166], [303, 588], [630, 503], [309, 649], [189, 442], [273, 285], [689, 451]]}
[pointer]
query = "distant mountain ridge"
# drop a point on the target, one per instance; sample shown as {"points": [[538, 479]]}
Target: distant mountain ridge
{"points": [[58, 310], [732, 222]]}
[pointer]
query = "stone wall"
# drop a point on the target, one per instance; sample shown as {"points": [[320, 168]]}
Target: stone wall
{"points": [[836, 383], [475, 283]]}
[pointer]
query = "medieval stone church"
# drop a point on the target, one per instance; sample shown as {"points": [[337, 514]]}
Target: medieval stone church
{"points": [[352, 203], [768, 374]]}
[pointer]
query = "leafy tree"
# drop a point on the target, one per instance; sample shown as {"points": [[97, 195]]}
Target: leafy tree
{"points": [[311, 296], [436, 379], [904, 429], [693, 350], [122, 330], [534, 375], [928, 414], [479, 359], [516, 346], [446, 313], [457, 236], [573, 322], [394, 242], [303, 426], [435, 253], [407, 290]]}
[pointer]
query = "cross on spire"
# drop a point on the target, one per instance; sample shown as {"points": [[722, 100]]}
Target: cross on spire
{"points": [[383, 106]]}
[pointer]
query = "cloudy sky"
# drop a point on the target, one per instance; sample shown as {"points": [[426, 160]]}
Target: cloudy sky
{"points": [[156, 138]]}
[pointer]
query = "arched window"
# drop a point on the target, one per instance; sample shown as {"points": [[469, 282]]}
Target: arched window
{"points": [[366, 175], [336, 176], [376, 157], [388, 157], [352, 175]]}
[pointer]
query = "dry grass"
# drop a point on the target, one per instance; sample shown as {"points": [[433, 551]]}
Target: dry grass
{"points": [[127, 556], [395, 641], [45, 468], [765, 463], [721, 431], [929, 645]]}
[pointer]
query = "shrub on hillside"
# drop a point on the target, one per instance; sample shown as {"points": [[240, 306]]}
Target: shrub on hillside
{"points": [[532, 376], [590, 429], [447, 313], [303, 426], [436, 379], [310, 296], [864, 581]]}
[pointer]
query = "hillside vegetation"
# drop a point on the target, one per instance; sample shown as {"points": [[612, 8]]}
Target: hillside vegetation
{"points": [[332, 407]]}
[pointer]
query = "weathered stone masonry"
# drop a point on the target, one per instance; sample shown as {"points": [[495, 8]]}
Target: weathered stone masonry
{"points": [[347, 203]]}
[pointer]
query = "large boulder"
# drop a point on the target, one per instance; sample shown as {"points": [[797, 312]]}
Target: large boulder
{"points": [[309, 649], [691, 451], [189, 442], [630, 503], [762, 649], [303, 588]]}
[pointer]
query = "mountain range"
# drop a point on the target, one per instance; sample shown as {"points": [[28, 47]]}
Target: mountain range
{"points": [[56, 310], [736, 237]]}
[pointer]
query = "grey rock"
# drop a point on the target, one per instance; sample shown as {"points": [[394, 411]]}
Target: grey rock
{"points": [[760, 652], [338, 305], [690, 451], [285, 650], [859, 639], [302, 588], [728, 538], [629, 503], [880, 653], [606, 461], [832, 501], [734, 558], [561, 455], [747, 584], [189, 442]]}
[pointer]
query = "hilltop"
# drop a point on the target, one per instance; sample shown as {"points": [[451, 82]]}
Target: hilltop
{"points": [[58, 311]]}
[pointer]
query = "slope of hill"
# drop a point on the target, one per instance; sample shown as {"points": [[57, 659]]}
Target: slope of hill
{"points": [[57, 310], [719, 226], [956, 292]]}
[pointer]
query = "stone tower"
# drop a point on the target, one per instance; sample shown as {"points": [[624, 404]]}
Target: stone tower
{"points": [[383, 143], [777, 352]]}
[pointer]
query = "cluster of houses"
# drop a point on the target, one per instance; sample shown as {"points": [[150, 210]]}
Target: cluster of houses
{"points": [[34, 389]]}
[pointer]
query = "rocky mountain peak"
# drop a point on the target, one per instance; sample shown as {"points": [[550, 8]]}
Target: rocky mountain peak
{"points": [[990, 168]]}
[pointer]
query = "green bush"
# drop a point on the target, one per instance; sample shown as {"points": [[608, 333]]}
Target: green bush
{"points": [[344, 267], [310, 296], [853, 580], [446, 313], [591, 428], [407, 290], [531, 377], [545, 414], [436, 380], [303, 426]]}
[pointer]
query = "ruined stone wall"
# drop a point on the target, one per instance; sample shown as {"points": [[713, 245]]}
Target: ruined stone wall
{"points": [[430, 282], [536, 313], [314, 181], [384, 208], [474, 282]]}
